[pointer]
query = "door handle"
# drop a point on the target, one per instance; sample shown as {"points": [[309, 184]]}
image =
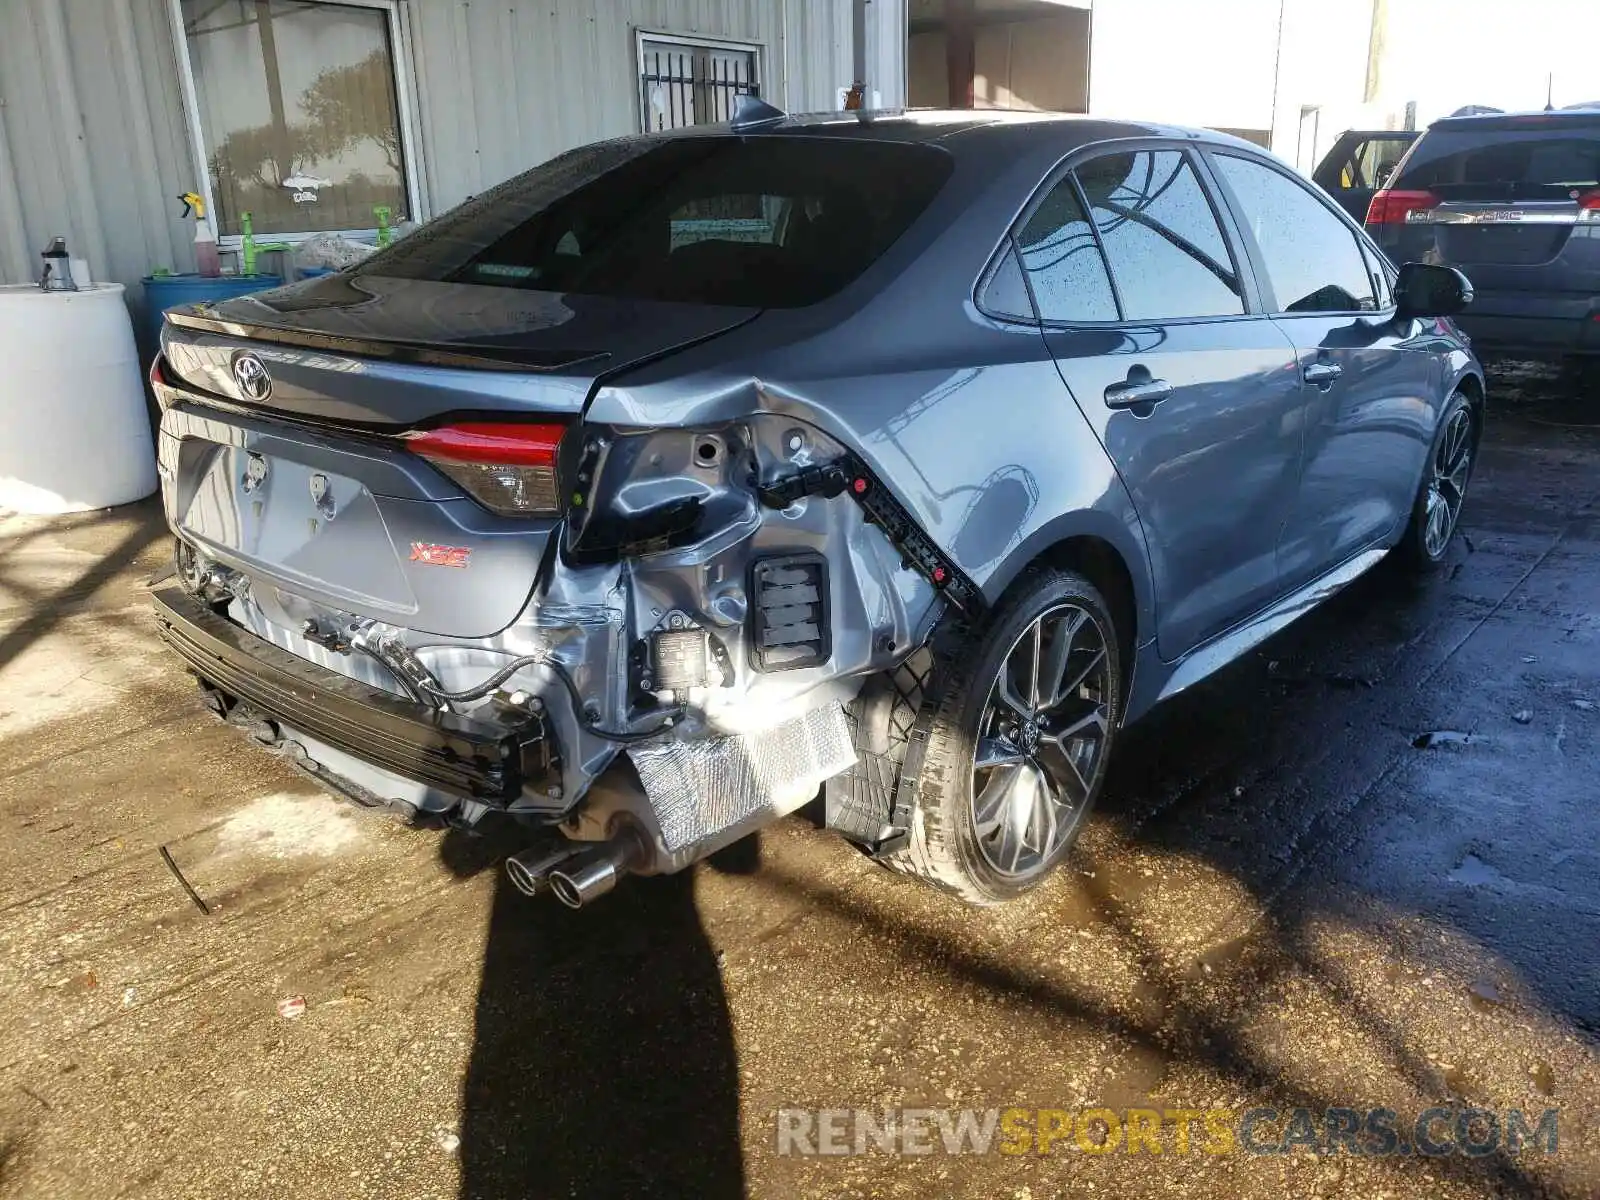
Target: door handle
{"points": [[1322, 373], [1136, 392]]}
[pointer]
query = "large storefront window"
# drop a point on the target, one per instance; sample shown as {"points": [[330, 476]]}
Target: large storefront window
{"points": [[298, 113]]}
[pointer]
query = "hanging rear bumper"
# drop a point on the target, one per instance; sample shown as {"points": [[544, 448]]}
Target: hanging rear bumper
{"points": [[468, 756]]}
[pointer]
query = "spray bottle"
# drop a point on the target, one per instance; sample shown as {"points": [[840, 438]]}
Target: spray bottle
{"points": [[206, 259], [249, 248]]}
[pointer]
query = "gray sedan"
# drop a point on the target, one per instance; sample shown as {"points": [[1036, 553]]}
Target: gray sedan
{"points": [[907, 456]]}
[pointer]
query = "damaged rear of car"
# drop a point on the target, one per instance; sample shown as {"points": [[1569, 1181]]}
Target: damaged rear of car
{"points": [[907, 456], [444, 543]]}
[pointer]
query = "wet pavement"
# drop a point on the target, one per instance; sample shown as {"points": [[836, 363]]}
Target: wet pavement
{"points": [[1292, 896]]}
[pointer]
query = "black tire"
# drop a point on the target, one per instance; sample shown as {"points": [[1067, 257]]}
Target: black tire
{"points": [[1581, 374], [945, 847], [1420, 547]]}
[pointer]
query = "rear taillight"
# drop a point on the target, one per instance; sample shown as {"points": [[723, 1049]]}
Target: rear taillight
{"points": [[1589, 202], [1394, 206], [508, 468]]}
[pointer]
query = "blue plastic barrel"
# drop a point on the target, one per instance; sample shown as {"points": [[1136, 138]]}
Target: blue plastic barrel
{"points": [[162, 292]]}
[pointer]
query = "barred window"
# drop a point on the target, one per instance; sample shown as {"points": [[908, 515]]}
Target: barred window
{"points": [[693, 81]]}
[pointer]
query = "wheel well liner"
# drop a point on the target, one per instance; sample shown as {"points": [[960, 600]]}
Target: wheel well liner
{"points": [[1101, 563], [1471, 386], [1108, 548]]}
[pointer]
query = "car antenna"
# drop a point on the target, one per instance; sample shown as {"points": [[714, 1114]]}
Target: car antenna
{"points": [[752, 112]]}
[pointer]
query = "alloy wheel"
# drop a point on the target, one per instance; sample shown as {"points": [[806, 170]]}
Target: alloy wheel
{"points": [[1447, 484], [1042, 741]]}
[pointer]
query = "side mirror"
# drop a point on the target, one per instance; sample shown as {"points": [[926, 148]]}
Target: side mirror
{"points": [[1427, 290]]}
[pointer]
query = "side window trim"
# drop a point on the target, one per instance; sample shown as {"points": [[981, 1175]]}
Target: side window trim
{"points": [[1378, 268], [1071, 175], [1256, 296], [1269, 297], [1007, 248]]}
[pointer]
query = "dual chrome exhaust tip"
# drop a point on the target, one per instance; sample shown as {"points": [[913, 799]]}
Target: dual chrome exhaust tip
{"points": [[575, 875]]}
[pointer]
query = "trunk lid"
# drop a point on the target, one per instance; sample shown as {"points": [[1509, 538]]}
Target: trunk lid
{"points": [[385, 353], [306, 485]]}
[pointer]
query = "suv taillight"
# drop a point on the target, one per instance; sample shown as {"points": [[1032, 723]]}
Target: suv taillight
{"points": [[1590, 201], [508, 468], [1393, 206]]}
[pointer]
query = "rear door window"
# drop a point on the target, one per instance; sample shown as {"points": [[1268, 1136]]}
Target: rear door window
{"points": [[1166, 251], [1062, 260], [768, 222], [1313, 261], [1371, 162]]}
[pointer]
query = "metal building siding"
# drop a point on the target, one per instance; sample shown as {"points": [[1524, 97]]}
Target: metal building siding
{"points": [[94, 142], [92, 137], [506, 84]]}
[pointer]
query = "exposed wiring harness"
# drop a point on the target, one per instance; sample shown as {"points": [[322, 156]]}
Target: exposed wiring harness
{"points": [[493, 682], [412, 689], [489, 684]]}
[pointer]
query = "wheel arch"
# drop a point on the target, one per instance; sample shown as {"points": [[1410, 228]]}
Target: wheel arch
{"points": [[1471, 384], [1107, 553]]}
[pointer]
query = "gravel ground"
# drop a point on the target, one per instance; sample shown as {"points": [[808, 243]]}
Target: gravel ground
{"points": [[1285, 901]]}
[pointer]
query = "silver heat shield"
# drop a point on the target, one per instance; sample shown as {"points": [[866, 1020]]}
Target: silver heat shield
{"points": [[699, 789]]}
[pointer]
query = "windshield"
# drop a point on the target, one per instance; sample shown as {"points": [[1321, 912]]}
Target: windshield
{"points": [[765, 222]]}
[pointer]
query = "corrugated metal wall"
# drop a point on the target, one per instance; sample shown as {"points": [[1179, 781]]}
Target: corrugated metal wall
{"points": [[92, 138], [94, 145], [529, 80]]}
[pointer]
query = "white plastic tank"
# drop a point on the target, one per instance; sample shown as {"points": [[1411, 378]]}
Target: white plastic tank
{"points": [[74, 434]]}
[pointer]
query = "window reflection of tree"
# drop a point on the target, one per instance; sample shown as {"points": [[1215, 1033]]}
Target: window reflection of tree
{"points": [[1075, 242], [1136, 208], [1069, 229]]}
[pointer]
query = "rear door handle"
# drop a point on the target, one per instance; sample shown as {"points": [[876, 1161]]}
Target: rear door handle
{"points": [[1132, 394], [1322, 373]]}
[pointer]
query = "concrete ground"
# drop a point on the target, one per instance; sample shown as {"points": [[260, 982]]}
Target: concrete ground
{"points": [[1285, 900]]}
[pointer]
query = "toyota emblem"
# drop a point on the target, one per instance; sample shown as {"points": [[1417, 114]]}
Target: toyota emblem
{"points": [[250, 373]]}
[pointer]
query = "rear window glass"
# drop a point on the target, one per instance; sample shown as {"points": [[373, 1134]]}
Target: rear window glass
{"points": [[766, 222], [1533, 158]]}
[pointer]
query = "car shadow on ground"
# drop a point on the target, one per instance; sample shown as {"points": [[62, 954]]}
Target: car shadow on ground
{"points": [[603, 1062]]}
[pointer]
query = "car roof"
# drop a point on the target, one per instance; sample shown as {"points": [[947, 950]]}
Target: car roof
{"points": [[951, 128], [1552, 118]]}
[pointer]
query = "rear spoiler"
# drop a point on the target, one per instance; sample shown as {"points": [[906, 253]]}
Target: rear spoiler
{"points": [[1575, 120], [475, 356]]}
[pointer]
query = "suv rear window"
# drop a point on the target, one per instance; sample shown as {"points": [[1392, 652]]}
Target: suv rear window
{"points": [[1504, 163], [764, 222]]}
